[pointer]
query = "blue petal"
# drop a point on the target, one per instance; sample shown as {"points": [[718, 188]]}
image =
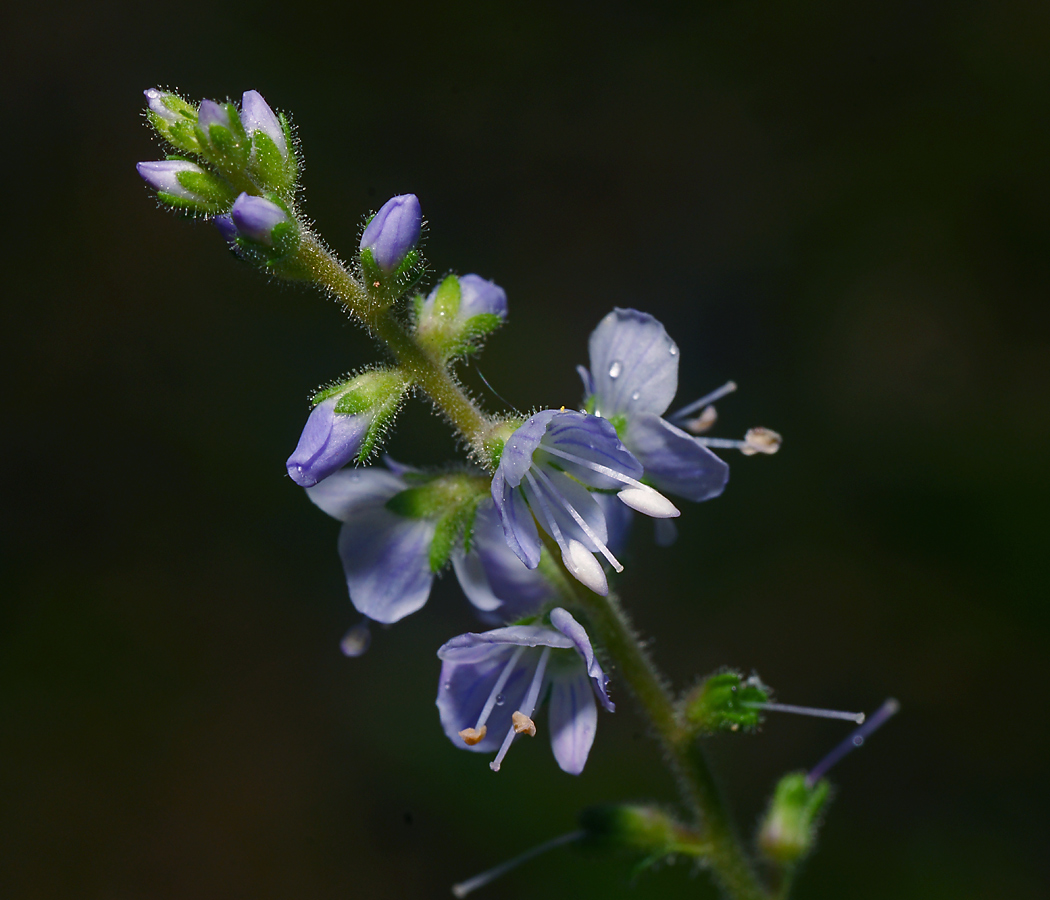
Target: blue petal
{"points": [[349, 491], [519, 528], [588, 382], [474, 647], [618, 519], [548, 504], [328, 442], [675, 462], [634, 364], [493, 578], [573, 719], [516, 458], [593, 439], [568, 626], [386, 558], [465, 686]]}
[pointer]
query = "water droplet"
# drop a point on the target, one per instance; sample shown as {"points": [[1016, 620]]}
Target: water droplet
{"points": [[500, 699], [636, 395], [673, 351], [615, 369], [858, 741], [448, 685]]}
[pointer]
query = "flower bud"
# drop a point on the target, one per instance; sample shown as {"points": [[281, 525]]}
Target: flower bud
{"points": [[256, 218], [646, 830], [222, 136], [181, 183], [459, 313], [789, 827], [173, 118], [345, 425], [211, 113], [393, 232], [258, 118], [725, 701]]}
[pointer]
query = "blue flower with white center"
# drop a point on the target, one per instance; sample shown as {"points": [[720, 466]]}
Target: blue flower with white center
{"points": [[545, 470], [387, 557], [491, 684]]}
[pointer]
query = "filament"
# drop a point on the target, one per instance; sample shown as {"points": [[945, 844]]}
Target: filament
{"points": [[529, 707], [472, 884], [486, 710], [587, 530], [856, 739], [808, 711], [716, 394]]}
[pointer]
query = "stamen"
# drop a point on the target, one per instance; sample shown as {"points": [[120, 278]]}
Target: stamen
{"points": [[529, 707], [706, 400], [357, 640], [761, 440], [523, 724], [649, 502], [808, 711], [472, 884], [593, 466], [856, 739], [494, 694], [703, 422], [548, 513], [579, 520]]}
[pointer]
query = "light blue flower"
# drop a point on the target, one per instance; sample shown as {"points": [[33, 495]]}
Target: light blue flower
{"points": [[491, 684], [545, 470], [386, 556], [632, 381]]}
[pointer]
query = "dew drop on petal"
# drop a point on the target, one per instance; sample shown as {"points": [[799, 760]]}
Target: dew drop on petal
{"points": [[673, 351], [636, 395], [500, 699], [615, 369]]}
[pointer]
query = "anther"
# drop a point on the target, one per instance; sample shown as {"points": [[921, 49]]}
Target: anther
{"points": [[703, 422], [472, 736], [761, 440], [523, 724]]}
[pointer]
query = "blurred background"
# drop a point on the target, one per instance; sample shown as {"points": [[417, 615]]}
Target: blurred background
{"points": [[843, 207]]}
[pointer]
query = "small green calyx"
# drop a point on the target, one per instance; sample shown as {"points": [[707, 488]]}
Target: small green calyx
{"points": [[789, 828], [268, 168], [723, 702], [447, 298], [645, 830], [377, 394], [386, 288], [452, 500], [178, 124], [496, 439]]}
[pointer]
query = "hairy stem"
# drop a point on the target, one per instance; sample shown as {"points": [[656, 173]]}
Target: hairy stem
{"points": [[429, 374]]}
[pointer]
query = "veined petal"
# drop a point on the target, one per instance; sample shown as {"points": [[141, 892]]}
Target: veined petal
{"points": [[562, 487], [516, 459], [386, 558], [675, 462], [568, 626], [634, 364], [352, 491], [466, 686], [491, 575], [519, 528], [328, 442], [594, 440], [573, 718], [474, 646]]}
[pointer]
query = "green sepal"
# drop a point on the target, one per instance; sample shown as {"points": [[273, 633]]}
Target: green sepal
{"points": [[789, 827], [619, 422], [385, 288], [496, 439], [473, 331], [437, 496], [268, 167], [231, 151], [645, 830], [213, 191], [718, 703], [447, 298], [292, 161], [453, 524], [181, 133]]}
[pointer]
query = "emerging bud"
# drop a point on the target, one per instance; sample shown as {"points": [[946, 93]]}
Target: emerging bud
{"points": [[256, 218], [726, 702], [222, 136], [173, 118], [181, 183], [789, 827], [646, 830], [258, 118], [459, 313], [345, 425], [393, 232], [211, 113]]}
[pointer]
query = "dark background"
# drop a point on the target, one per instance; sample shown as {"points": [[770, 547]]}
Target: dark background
{"points": [[841, 206]]}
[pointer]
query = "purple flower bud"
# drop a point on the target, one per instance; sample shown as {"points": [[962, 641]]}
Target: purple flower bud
{"points": [[256, 115], [227, 229], [163, 175], [393, 231], [481, 297], [155, 97], [256, 218], [211, 113], [328, 442]]}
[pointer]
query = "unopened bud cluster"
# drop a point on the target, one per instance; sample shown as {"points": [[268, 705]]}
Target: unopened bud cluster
{"points": [[725, 701]]}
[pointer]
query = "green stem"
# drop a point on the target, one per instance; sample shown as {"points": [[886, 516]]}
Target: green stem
{"points": [[685, 756], [429, 374]]}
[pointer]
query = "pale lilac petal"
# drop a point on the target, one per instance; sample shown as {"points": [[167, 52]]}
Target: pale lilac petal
{"points": [[393, 231], [351, 491], [675, 462], [588, 382], [474, 646], [495, 581], [328, 442], [465, 686], [567, 625], [573, 718], [517, 452], [548, 505], [211, 113], [163, 175], [634, 364], [256, 218], [519, 528], [592, 439], [480, 296], [386, 559], [256, 115]]}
